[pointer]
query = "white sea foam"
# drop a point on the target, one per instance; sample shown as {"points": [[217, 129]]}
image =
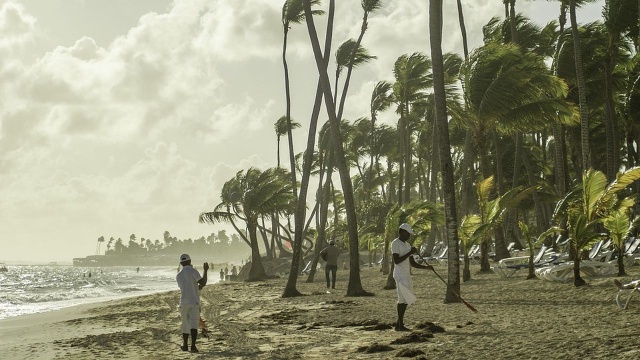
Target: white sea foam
{"points": [[33, 289]]}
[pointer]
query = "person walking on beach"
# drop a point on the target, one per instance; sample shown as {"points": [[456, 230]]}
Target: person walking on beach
{"points": [[330, 255], [190, 283], [402, 252]]}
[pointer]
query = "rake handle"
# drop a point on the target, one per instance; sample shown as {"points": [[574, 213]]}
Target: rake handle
{"points": [[469, 306]]}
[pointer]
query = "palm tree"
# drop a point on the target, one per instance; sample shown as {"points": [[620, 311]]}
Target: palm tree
{"points": [[281, 128], [292, 13], [509, 90], [100, 241], [533, 242], [381, 100], [247, 197], [620, 17], [588, 204], [355, 284], [348, 54], [468, 226], [492, 210], [446, 164], [582, 90], [412, 75], [620, 226]]}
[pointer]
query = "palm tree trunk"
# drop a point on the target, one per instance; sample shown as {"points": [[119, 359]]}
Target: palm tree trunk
{"points": [[610, 113], [446, 167], [354, 287], [287, 91], [582, 90], [256, 272]]}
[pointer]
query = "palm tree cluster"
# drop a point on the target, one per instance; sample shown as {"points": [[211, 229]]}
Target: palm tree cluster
{"points": [[506, 134], [220, 244]]}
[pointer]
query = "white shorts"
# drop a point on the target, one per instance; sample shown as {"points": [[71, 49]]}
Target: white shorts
{"points": [[190, 316], [404, 287]]}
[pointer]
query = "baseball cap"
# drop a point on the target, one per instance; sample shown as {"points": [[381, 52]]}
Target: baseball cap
{"points": [[184, 257], [406, 227]]}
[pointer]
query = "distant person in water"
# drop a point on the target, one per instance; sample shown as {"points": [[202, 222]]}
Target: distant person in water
{"points": [[330, 255], [190, 283], [234, 271], [221, 274], [226, 271]]}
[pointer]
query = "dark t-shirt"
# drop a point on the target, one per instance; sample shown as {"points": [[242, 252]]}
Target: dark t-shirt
{"points": [[332, 252]]}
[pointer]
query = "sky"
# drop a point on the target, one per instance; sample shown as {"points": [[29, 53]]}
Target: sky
{"points": [[125, 117]]}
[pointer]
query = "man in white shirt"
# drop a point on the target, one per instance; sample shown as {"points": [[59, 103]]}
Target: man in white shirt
{"points": [[402, 253], [190, 283]]}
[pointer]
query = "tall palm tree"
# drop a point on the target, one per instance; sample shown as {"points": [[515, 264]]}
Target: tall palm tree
{"points": [[413, 75], [247, 197], [446, 165], [508, 90], [292, 13], [100, 241], [381, 100], [355, 284], [620, 17], [582, 89]]}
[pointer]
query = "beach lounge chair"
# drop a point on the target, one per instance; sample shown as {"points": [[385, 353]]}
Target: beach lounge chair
{"points": [[627, 291], [563, 272], [509, 266], [442, 255]]}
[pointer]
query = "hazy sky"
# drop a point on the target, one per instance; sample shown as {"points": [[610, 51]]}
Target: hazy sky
{"points": [[127, 116]]}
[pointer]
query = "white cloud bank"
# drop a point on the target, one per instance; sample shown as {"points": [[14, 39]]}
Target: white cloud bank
{"points": [[137, 135]]}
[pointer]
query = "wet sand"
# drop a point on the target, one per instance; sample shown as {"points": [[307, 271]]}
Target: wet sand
{"points": [[516, 318]]}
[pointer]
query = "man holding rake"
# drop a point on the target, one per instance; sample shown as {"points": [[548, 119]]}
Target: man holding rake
{"points": [[403, 260]]}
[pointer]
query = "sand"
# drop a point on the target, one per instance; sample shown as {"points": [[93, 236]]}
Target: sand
{"points": [[516, 319]]}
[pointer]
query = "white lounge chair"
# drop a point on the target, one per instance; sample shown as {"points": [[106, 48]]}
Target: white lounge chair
{"points": [[626, 291], [509, 266]]}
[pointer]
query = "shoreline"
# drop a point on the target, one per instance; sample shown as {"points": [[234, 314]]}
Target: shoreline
{"points": [[534, 319]]}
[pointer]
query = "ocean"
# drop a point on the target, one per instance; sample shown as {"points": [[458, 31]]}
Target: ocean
{"points": [[33, 289]]}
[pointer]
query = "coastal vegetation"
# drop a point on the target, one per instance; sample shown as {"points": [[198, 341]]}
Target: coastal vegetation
{"points": [[536, 119]]}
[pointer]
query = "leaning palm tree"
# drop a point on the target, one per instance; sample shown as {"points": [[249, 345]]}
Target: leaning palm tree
{"points": [[355, 283], [248, 197]]}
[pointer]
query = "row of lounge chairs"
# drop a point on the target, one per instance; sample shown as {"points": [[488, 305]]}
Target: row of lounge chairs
{"points": [[554, 267]]}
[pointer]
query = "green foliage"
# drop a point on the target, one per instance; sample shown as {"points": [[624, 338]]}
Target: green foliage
{"points": [[593, 202]]}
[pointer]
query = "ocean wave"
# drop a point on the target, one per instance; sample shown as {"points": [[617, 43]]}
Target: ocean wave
{"points": [[29, 289]]}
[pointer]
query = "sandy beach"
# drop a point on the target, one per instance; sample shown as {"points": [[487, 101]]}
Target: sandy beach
{"points": [[516, 318]]}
